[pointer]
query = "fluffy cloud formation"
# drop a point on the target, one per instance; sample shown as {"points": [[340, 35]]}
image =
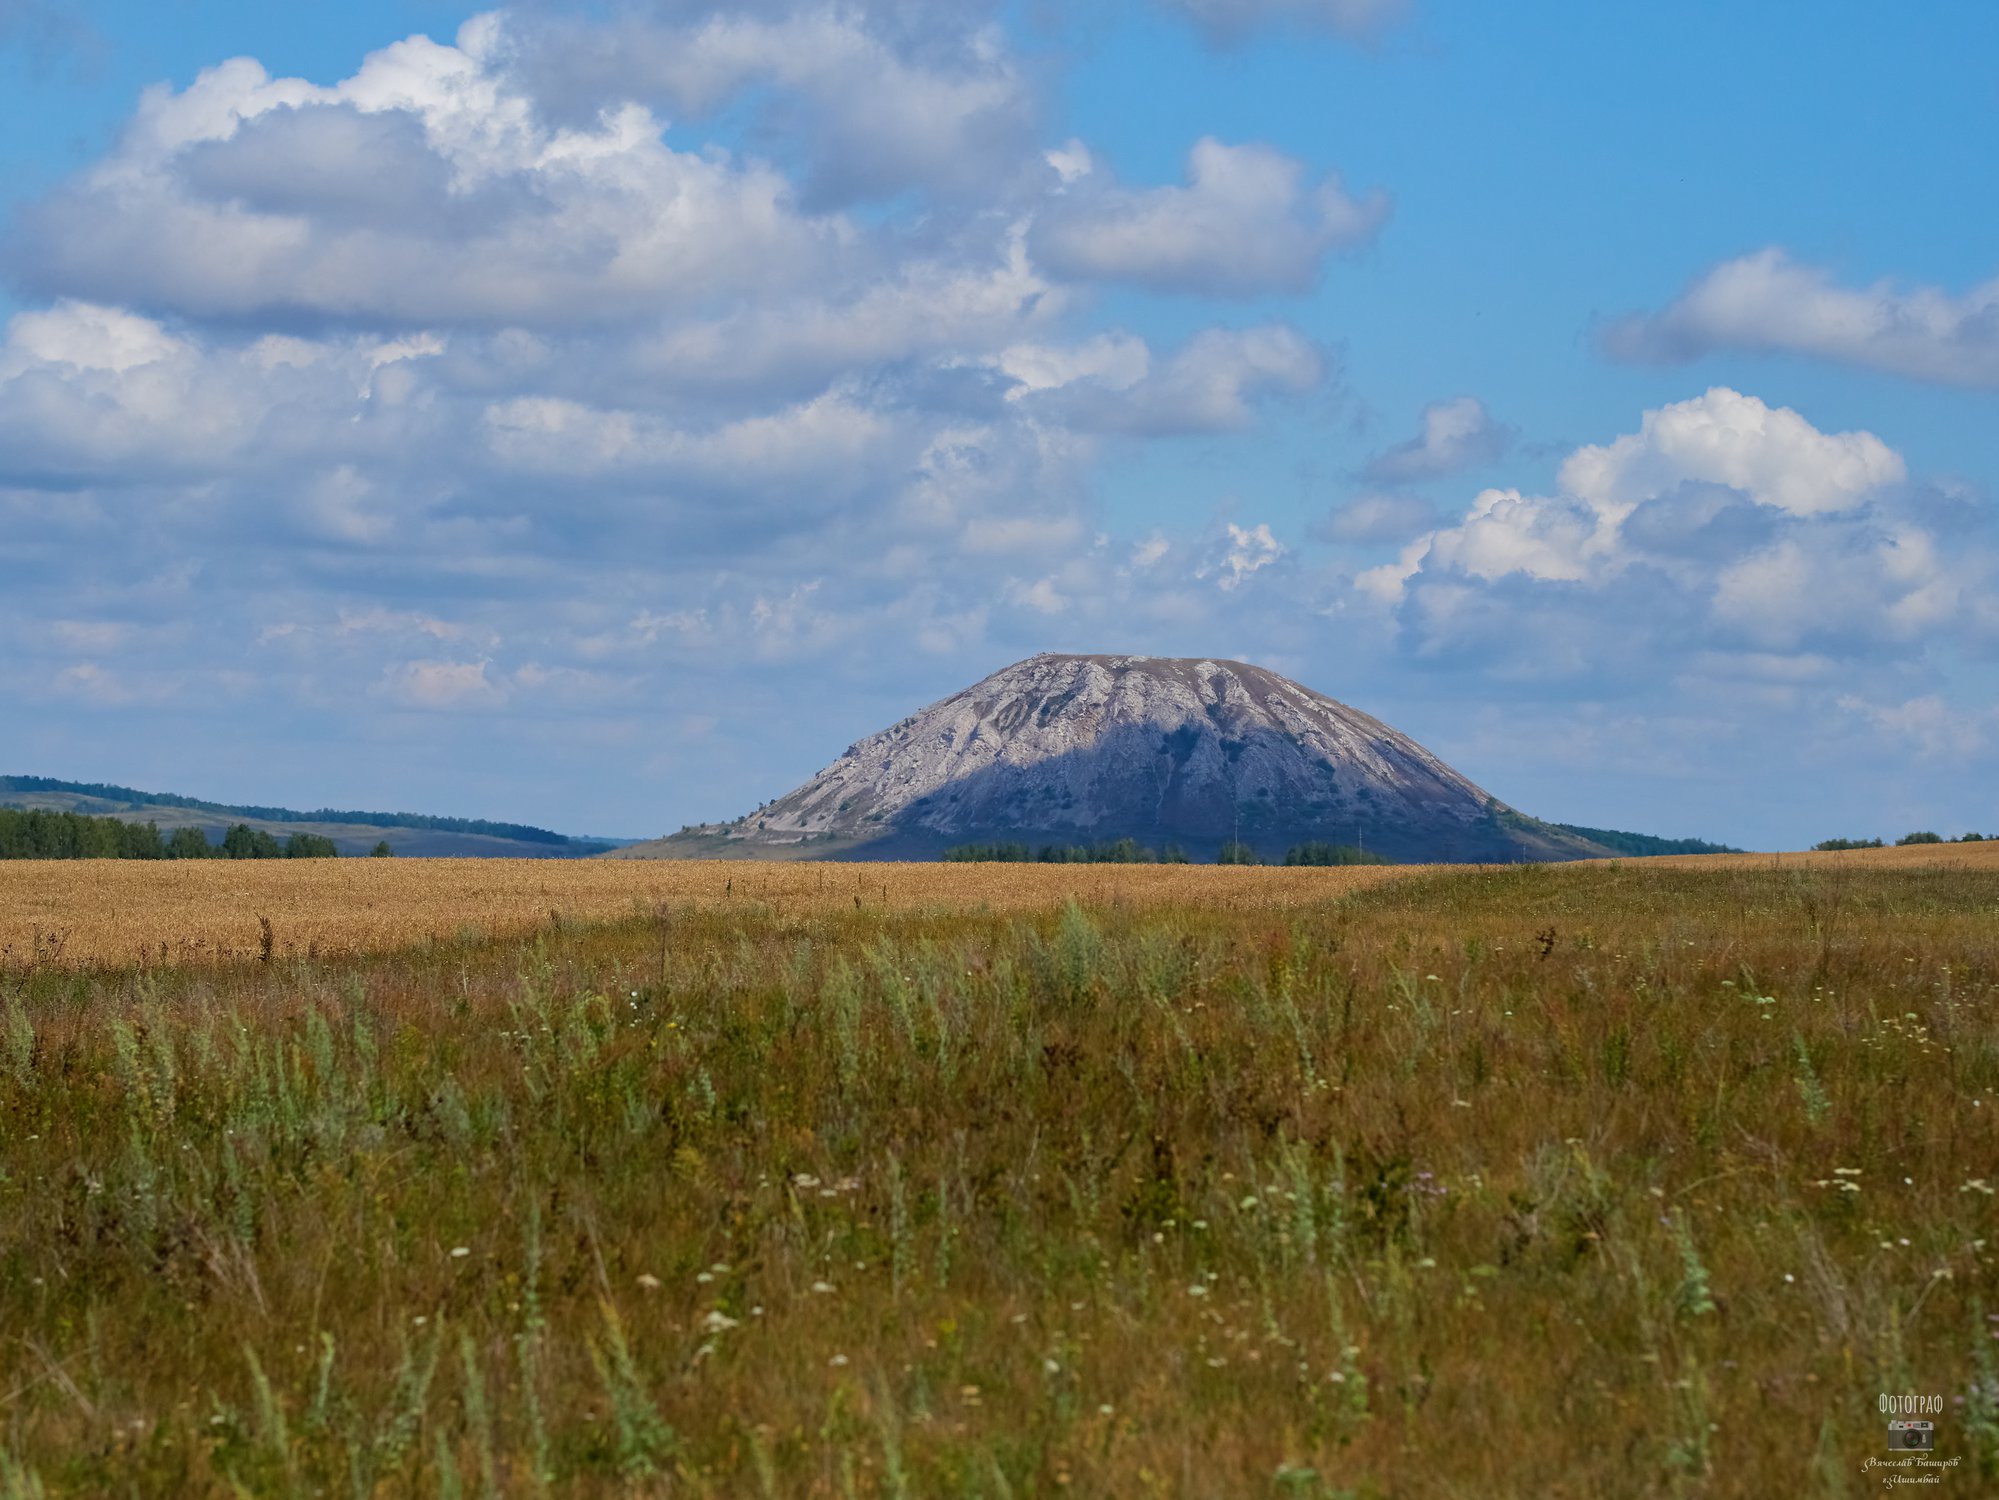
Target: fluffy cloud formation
{"points": [[1245, 224], [1767, 303], [1730, 522], [1111, 384], [422, 191], [1456, 435], [1247, 550], [465, 391], [85, 337], [1772, 455], [920, 308], [875, 103]]}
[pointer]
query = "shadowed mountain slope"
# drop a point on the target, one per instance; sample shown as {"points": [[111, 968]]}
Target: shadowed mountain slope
{"points": [[1088, 749]]}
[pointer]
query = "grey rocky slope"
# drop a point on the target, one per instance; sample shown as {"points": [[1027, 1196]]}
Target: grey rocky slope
{"points": [[1087, 749]]}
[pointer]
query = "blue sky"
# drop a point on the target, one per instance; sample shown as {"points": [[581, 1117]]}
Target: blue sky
{"points": [[601, 415]]}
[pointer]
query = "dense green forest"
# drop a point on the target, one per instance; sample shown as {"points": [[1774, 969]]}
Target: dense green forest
{"points": [[1131, 852], [67, 835], [112, 793], [1643, 843], [1117, 852], [1333, 854]]}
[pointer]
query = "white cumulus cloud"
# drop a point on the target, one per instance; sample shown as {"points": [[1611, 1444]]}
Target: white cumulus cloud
{"points": [[1771, 454], [1456, 435], [1211, 384], [1768, 303], [1246, 223], [86, 337], [421, 190], [1721, 516], [1247, 550], [878, 107]]}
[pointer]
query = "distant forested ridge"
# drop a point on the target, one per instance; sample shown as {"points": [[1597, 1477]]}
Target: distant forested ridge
{"points": [[41, 834], [1639, 844], [110, 793]]}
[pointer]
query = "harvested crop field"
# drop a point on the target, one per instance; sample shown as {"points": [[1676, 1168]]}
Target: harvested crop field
{"points": [[122, 912], [94, 913], [1977, 855]]}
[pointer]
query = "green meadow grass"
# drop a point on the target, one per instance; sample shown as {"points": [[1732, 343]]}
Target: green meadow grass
{"points": [[1591, 1181]]}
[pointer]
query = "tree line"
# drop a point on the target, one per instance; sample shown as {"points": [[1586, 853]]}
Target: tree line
{"points": [[1117, 852], [1921, 836], [1644, 845], [41, 834], [1131, 852]]}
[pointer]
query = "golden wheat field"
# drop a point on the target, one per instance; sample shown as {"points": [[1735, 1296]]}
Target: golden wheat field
{"points": [[1978, 855], [115, 912]]}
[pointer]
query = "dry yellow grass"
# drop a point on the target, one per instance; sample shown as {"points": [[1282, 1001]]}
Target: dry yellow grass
{"points": [[1975, 856], [112, 912]]}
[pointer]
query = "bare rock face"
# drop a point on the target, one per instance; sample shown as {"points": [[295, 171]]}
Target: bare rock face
{"points": [[1087, 749]]}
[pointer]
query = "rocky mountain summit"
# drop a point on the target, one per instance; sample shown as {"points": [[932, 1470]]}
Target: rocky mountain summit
{"points": [[1089, 749]]}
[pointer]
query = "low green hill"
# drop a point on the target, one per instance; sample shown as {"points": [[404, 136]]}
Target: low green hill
{"points": [[416, 834]]}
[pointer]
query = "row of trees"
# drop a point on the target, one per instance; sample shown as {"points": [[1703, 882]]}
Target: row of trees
{"points": [[1236, 852], [41, 834], [1644, 845], [1117, 852], [1333, 854], [1923, 836], [1131, 852]]}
